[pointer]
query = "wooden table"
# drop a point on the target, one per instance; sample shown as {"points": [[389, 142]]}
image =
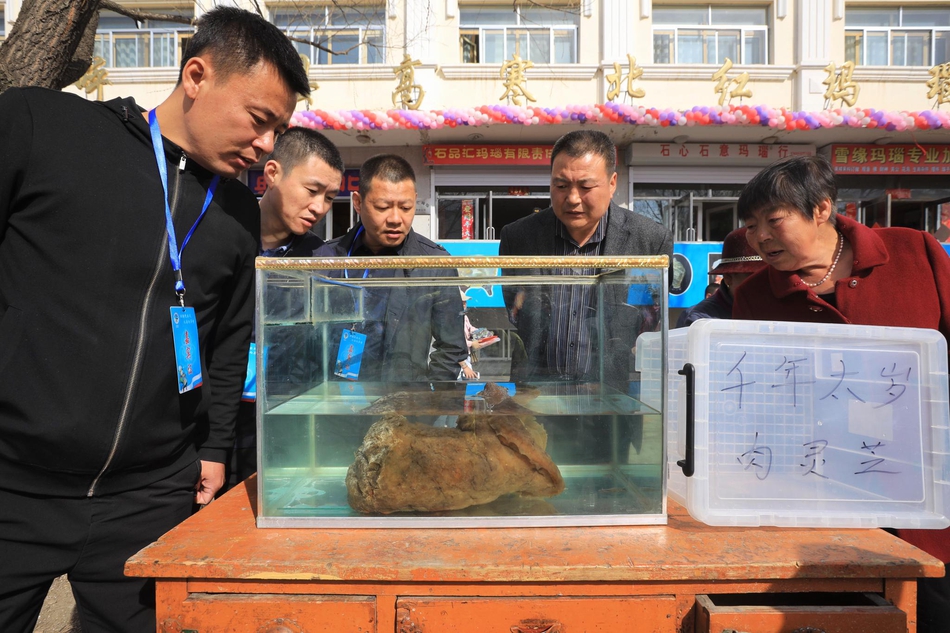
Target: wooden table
{"points": [[217, 572]]}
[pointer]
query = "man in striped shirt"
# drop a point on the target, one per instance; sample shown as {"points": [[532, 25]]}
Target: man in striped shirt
{"points": [[573, 333]]}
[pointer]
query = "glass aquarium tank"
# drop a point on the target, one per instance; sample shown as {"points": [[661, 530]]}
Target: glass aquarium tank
{"points": [[458, 392]]}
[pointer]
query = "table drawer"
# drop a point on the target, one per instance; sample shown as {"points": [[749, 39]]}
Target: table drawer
{"points": [[654, 614], [272, 613], [798, 613]]}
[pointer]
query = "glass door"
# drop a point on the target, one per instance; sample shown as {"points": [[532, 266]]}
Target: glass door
{"points": [[481, 214], [684, 228], [718, 217], [460, 217]]}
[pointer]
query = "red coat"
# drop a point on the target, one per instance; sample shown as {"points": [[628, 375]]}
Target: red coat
{"points": [[900, 277]]}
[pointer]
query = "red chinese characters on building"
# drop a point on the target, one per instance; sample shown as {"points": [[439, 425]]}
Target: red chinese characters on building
{"points": [[891, 159], [487, 154]]}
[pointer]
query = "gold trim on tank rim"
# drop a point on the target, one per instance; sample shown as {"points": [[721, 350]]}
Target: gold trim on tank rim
{"points": [[350, 263]]}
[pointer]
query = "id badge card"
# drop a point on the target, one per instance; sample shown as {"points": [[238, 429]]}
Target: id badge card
{"points": [[350, 355], [187, 357], [250, 378]]}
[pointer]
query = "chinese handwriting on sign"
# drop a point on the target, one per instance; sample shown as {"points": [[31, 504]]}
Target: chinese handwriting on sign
{"points": [[513, 72], [757, 457], [791, 367], [407, 95], [614, 80], [840, 84], [939, 84], [740, 384], [313, 85], [95, 78], [880, 386], [724, 82]]}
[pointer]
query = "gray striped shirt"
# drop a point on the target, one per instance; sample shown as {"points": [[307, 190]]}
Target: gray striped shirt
{"points": [[573, 311]]}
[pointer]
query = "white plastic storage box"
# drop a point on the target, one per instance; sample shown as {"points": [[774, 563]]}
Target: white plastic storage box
{"points": [[809, 425], [649, 364]]}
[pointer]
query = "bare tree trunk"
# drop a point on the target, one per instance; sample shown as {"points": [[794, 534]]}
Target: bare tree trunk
{"points": [[50, 45]]}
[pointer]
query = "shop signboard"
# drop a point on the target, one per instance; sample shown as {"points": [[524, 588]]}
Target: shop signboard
{"points": [[481, 294], [537, 155], [350, 184], [715, 154], [256, 182], [900, 158], [692, 262]]}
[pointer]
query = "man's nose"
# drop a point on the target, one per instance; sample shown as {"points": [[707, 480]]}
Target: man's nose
{"points": [[574, 195], [318, 206], [265, 143], [394, 217]]}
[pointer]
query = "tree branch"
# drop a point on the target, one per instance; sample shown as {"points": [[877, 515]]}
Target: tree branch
{"points": [[141, 16]]}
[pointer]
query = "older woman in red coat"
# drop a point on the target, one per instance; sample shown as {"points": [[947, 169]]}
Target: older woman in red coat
{"points": [[823, 268]]}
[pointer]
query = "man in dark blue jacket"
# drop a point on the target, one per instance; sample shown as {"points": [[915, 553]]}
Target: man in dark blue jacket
{"points": [[403, 322], [126, 277], [303, 176]]}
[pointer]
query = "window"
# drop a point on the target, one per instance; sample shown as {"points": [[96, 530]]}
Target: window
{"points": [[710, 34], [125, 43], [355, 33], [543, 35], [897, 36], [3, 22]]}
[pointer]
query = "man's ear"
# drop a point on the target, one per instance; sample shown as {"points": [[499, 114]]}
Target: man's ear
{"points": [[272, 173], [357, 202], [196, 72]]}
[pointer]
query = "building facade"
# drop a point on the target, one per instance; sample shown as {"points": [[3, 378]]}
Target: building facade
{"points": [[697, 96]]}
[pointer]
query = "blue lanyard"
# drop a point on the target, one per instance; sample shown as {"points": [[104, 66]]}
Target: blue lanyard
{"points": [[173, 251], [346, 273]]}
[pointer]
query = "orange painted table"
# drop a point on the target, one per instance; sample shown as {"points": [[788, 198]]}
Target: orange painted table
{"points": [[217, 572]]}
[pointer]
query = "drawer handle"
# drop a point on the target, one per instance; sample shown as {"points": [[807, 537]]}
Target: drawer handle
{"points": [[808, 629], [537, 626], [280, 625]]}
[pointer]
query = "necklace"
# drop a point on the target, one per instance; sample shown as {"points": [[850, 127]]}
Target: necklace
{"points": [[833, 264]]}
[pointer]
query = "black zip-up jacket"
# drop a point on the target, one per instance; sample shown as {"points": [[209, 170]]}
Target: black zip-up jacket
{"points": [[89, 402]]}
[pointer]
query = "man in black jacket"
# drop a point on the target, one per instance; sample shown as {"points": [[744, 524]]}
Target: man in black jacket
{"points": [[414, 335], [123, 349], [403, 322]]}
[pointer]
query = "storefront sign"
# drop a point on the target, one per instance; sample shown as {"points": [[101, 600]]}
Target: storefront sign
{"points": [[256, 182], [539, 155], [743, 154], [891, 159], [351, 182], [692, 262], [899, 194]]}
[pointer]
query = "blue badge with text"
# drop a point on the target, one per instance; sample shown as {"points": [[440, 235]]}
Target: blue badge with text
{"points": [[187, 353], [250, 378], [350, 355]]}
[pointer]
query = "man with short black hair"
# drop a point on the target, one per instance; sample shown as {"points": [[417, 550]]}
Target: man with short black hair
{"points": [[582, 220], [303, 176], [563, 332], [126, 283], [402, 322]]}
